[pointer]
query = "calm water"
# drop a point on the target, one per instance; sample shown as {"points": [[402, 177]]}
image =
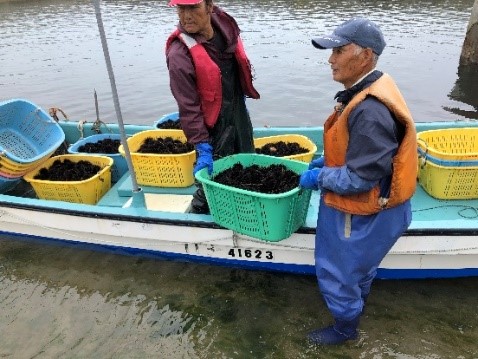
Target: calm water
{"points": [[52, 55], [58, 302]]}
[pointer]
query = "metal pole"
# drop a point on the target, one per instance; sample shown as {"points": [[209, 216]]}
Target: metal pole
{"points": [[136, 189]]}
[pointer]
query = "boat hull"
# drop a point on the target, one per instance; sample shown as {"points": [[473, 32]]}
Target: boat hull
{"points": [[441, 242], [417, 254]]}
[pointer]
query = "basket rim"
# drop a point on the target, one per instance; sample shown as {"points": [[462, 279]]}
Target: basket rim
{"points": [[9, 179], [447, 162], [204, 177], [450, 129], [292, 135], [283, 135], [167, 132], [166, 117], [75, 146], [145, 133], [306, 142], [448, 168], [9, 175], [8, 163], [155, 155], [422, 143], [29, 176]]}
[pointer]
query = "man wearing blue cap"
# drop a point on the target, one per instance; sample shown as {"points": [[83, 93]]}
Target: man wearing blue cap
{"points": [[210, 76], [366, 177]]}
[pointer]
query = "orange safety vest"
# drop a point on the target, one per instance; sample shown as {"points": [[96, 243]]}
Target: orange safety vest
{"points": [[404, 174], [208, 75]]}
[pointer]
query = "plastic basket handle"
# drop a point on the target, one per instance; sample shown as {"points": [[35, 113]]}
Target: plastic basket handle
{"points": [[423, 158], [424, 143]]}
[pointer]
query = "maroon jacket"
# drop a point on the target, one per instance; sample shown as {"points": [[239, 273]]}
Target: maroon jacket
{"points": [[183, 78]]}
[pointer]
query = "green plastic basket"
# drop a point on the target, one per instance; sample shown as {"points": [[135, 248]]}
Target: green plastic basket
{"points": [[270, 217]]}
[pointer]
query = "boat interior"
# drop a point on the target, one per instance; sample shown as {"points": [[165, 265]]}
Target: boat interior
{"points": [[428, 212]]}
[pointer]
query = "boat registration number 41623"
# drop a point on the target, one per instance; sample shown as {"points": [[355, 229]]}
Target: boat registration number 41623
{"points": [[250, 253]]}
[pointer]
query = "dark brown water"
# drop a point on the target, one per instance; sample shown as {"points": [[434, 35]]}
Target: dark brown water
{"points": [[58, 302]]}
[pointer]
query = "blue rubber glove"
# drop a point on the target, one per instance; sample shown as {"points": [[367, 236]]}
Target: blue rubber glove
{"points": [[310, 179], [204, 159], [317, 163]]}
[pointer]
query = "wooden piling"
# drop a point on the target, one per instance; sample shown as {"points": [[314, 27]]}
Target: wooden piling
{"points": [[469, 51]]}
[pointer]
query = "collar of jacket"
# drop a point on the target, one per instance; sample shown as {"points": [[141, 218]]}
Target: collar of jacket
{"points": [[344, 97]]}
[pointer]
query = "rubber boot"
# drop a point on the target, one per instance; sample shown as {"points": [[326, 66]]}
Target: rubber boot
{"points": [[335, 334], [199, 203]]}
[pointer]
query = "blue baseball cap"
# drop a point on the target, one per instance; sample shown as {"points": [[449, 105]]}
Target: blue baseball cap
{"points": [[362, 32]]}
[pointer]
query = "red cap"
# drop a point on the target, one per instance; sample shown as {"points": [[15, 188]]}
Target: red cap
{"points": [[184, 2]]}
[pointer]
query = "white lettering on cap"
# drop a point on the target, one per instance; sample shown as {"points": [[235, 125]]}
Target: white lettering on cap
{"points": [[331, 39]]}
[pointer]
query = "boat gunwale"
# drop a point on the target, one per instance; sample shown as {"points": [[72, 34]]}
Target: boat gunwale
{"points": [[199, 222]]}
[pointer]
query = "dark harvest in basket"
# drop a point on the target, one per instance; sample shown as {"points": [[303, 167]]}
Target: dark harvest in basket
{"points": [[170, 125], [68, 170], [281, 149], [166, 145], [106, 145], [271, 179]]}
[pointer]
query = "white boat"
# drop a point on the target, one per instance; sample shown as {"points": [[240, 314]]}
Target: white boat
{"points": [[442, 240]]}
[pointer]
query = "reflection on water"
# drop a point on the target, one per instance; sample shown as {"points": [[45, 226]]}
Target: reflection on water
{"points": [[56, 322], [53, 55], [52, 307], [465, 91]]}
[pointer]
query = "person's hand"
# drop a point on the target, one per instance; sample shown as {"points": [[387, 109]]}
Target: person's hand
{"points": [[317, 163], [204, 159], [309, 179]]}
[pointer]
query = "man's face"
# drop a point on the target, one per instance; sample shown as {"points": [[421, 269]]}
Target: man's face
{"points": [[348, 63], [195, 18]]}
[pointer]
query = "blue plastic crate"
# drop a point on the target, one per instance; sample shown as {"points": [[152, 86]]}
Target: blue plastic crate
{"points": [[120, 166], [173, 116], [27, 132]]}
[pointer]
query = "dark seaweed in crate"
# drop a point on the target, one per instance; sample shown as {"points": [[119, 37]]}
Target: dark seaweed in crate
{"points": [[272, 179], [281, 149], [68, 170], [166, 145], [106, 146], [170, 125]]}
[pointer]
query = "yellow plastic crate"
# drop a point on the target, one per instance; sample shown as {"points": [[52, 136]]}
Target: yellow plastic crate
{"points": [[161, 170], [452, 144], [8, 173], [14, 169], [88, 191], [448, 182], [303, 141]]}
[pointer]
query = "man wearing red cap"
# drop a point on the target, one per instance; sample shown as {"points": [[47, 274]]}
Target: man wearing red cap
{"points": [[210, 76]]}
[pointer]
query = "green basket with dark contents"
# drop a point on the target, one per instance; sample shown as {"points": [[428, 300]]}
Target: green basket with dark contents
{"points": [[270, 217]]}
